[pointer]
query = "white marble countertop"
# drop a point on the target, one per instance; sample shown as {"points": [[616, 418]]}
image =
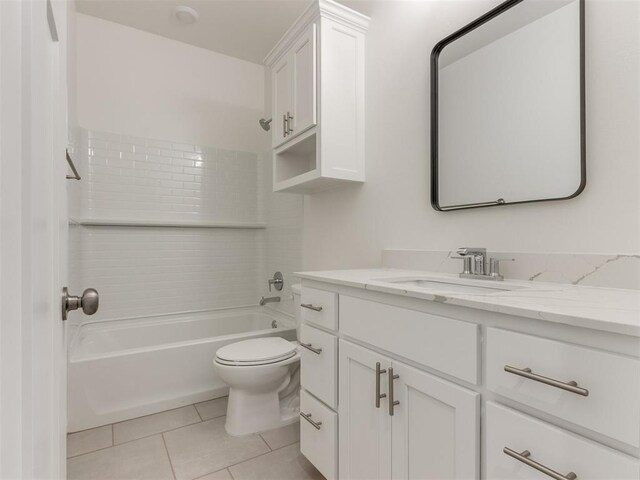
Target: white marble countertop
{"points": [[606, 309]]}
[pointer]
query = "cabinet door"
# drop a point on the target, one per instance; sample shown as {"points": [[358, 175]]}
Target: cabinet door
{"points": [[436, 428], [303, 58], [365, 430], [282, 99]]}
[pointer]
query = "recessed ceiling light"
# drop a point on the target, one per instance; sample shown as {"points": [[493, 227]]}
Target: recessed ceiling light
{"points": [[186, 15]]}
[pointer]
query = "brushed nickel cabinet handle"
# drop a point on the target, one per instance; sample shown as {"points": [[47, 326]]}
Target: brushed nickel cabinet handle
{"points": [[568, 386], [311, 307], [285, 127], [311, 348], [307, 417], [392, 402], [289, 118], [525, 457], [379, 373]]}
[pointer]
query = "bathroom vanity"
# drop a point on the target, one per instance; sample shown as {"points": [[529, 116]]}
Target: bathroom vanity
{"points": [[422, 375]]}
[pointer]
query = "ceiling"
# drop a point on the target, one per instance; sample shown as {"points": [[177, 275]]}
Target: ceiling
{"points": [[245, 29]]}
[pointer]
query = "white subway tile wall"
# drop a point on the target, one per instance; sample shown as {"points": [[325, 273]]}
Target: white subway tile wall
{"points": [[283, 236], [147, 270], [141, 271], [131, 178]]}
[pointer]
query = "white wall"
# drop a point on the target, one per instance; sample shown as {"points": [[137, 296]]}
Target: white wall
{"points": [[135, 83], [348, 227]]}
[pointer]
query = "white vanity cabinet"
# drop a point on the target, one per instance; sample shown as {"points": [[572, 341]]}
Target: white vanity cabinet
{"points": [[399, 422], [317, 86], [414, 380]]}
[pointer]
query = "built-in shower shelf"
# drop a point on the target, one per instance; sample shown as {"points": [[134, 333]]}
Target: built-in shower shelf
{"points": [[135, 222]]}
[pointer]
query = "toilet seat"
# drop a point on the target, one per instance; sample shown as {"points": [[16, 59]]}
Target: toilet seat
{"points": [[257, 351]]}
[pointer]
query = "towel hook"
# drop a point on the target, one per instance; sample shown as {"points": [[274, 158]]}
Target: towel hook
{"points": [[75, 175]]}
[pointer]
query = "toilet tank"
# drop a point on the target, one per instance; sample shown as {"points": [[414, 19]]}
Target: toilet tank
{"points": [[296, 289]]}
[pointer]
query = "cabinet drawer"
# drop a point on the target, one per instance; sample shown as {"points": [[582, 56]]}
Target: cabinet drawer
{"points": [[612, 406], [447, 345], [319, 364], [319, 442], [550, 447], [320, 307]]}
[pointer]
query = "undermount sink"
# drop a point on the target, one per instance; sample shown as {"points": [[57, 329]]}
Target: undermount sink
{"points": [[452, 285]]}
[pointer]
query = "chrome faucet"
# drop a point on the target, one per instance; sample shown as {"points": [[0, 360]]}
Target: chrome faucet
{"points": [[264, 301], [475, 264]]}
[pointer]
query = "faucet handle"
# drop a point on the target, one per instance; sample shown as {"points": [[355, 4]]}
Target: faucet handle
{"points": [[277, 281], [494, 266], [466, 269]]}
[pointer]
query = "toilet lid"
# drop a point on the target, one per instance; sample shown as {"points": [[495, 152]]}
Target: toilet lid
{"points": [[257, 350]]}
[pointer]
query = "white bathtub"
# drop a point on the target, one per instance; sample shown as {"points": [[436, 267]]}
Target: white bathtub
{"points": [[127, 368]]}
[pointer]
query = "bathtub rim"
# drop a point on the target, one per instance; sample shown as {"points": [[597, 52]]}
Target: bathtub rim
{"points": [[288, 323]]}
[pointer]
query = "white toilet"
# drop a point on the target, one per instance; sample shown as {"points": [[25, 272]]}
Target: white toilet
{"points": [[263, 375]]}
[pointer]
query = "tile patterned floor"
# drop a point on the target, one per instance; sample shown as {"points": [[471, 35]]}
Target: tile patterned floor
{"points": [[186, 443]]}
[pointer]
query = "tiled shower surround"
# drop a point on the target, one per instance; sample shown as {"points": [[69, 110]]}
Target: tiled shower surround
{"points": [[153, 270], [130, 177]]}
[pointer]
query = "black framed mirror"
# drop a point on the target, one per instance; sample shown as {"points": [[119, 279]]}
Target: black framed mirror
{"points": [[508, 107]]}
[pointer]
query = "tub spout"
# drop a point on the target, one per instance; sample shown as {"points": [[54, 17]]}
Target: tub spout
{"points": [[264, 301]]}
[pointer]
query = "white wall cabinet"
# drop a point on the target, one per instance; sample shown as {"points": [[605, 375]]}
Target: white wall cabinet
{"points": [[303, 57], [317, 77], [282, 87], [430, 431], [294, 89]]}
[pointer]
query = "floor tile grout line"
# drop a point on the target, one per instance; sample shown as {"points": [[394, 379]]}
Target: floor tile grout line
{"points": [[267, 443], [257, 456], [140, 438], [87, 429], [229, 472], [228, 467], [157, 413], [166, 449], [159, 433], [198, 412], [142, 416]]}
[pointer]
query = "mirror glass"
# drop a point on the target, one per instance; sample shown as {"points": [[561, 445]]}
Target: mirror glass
{"points": [[508, 107]]}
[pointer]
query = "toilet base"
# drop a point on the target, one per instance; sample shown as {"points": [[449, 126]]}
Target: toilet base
{"points": [[256, 413]]}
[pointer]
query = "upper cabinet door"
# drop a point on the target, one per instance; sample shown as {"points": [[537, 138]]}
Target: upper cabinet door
{"points": [[364, 429], [436, 427], [282, 100], [303, 59]]}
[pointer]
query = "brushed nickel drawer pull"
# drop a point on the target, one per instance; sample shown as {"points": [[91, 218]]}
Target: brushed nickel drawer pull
{"points": [[311, 348], [379, 373], [525, 457], [311, 307], [392, 402], [568, 386], [307, 417]]}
